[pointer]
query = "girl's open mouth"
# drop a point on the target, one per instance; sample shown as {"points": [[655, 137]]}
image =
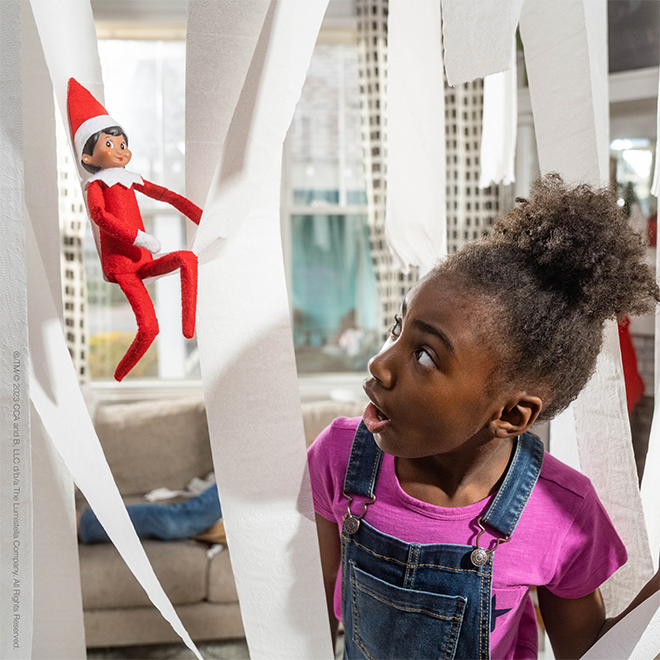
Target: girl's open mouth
{"points": [[374, 419]]}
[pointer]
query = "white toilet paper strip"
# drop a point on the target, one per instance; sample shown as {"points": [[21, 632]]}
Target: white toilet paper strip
{"points": [[39, 144], [253, 408], [563, 438], [68, 38], [58, 632], [244, 335], [636, 637], [500, 127], [655, 187], [220, 46], [16, 575], [415, 224], [566, 58], [477, 37], [59, 403], [606, 457], [650, 480]]}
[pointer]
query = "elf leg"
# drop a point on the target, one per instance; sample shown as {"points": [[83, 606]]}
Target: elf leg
{"points": [[136, 293], [187, 262]]}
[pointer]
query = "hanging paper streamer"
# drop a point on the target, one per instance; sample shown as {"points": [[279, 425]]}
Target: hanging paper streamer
{"points": [[566, 59], [16, 574], [58, 620], [59, 631], [68, 38], [60, 405], [477, 37], [244, 334], [222, 36], [655, 188], [415, 223], [650, 480], [41, 193], [58, 617], [636, 637], [500, 127], [607, 459], [563, 438]]}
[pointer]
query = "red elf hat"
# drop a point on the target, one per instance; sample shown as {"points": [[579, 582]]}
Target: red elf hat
{"points": [[86, 114]]}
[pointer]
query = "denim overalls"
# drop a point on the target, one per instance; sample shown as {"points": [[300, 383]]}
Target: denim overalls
{"points": [[409, 600]]}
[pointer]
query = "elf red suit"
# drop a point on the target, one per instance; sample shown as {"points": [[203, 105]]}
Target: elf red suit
{"points": [[125, 248]]}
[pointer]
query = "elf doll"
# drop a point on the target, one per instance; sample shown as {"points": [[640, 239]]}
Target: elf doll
{"points": [[126, 250]]}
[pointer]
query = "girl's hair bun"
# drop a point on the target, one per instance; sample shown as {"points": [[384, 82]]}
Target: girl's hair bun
{"points": [[579, 245], [554, 269]]}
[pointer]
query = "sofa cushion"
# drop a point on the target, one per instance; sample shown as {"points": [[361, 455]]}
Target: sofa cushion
{"points": [[155, 443], [222, 588], [319, 414], [131, 626], [181, 567]]}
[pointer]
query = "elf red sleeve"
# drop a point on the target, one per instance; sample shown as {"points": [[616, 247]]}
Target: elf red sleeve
{"points": [[179, 202]]}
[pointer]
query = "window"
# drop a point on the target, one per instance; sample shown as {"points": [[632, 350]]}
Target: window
{"points": [[333, 288]]}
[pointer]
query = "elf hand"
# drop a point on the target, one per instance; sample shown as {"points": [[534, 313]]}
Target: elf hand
{"points": [[147, 241]]}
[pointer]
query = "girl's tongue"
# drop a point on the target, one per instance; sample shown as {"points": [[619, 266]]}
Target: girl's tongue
{"points": [[374, 419]]}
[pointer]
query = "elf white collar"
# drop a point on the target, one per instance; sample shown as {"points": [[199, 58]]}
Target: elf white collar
{"points": [[111, 176]]}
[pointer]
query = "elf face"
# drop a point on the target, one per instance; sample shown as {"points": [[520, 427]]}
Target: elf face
{"points": [[110, 151]]}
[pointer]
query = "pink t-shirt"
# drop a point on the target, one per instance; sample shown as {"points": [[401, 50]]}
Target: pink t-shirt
{"points": [[564, 539]]}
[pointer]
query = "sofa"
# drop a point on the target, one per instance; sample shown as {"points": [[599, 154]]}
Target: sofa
{"points": [[155, 444]]}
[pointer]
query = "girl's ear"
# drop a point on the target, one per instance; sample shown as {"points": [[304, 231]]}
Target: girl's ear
{"points": [[516, 416]]}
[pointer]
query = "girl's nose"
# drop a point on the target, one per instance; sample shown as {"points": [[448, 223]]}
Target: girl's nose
{"points": [[381, 367]]}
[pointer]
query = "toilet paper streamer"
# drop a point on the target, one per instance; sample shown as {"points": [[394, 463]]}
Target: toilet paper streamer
{"points": [[500, 127], [58, 632], [415, 222], [477, 37], [636, 637], [650, 481], [60, 405], [244, 334], [566, 58], [68, 39], [16, 574], [655, 186], [224, 35]]}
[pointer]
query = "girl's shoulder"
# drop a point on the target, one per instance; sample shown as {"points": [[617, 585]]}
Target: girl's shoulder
{"points": [[335, 440], [564, 477], [328, 458]]}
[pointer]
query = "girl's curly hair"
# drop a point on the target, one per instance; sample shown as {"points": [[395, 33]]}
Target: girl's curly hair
{"points": [[557, 266]]}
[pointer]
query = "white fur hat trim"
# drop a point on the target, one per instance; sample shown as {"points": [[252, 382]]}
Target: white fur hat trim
{"points": [[88, 128]]}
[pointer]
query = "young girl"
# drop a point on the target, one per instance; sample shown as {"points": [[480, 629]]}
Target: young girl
{"points": [[438, 509]]}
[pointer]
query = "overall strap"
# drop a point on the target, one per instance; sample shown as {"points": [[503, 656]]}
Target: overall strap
{"points": [[507, 507], [363, 464]]}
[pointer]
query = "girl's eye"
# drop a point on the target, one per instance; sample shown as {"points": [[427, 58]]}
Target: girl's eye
{"points": [[123, 146], [108, 143], [395, 330], [425, 359]]}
